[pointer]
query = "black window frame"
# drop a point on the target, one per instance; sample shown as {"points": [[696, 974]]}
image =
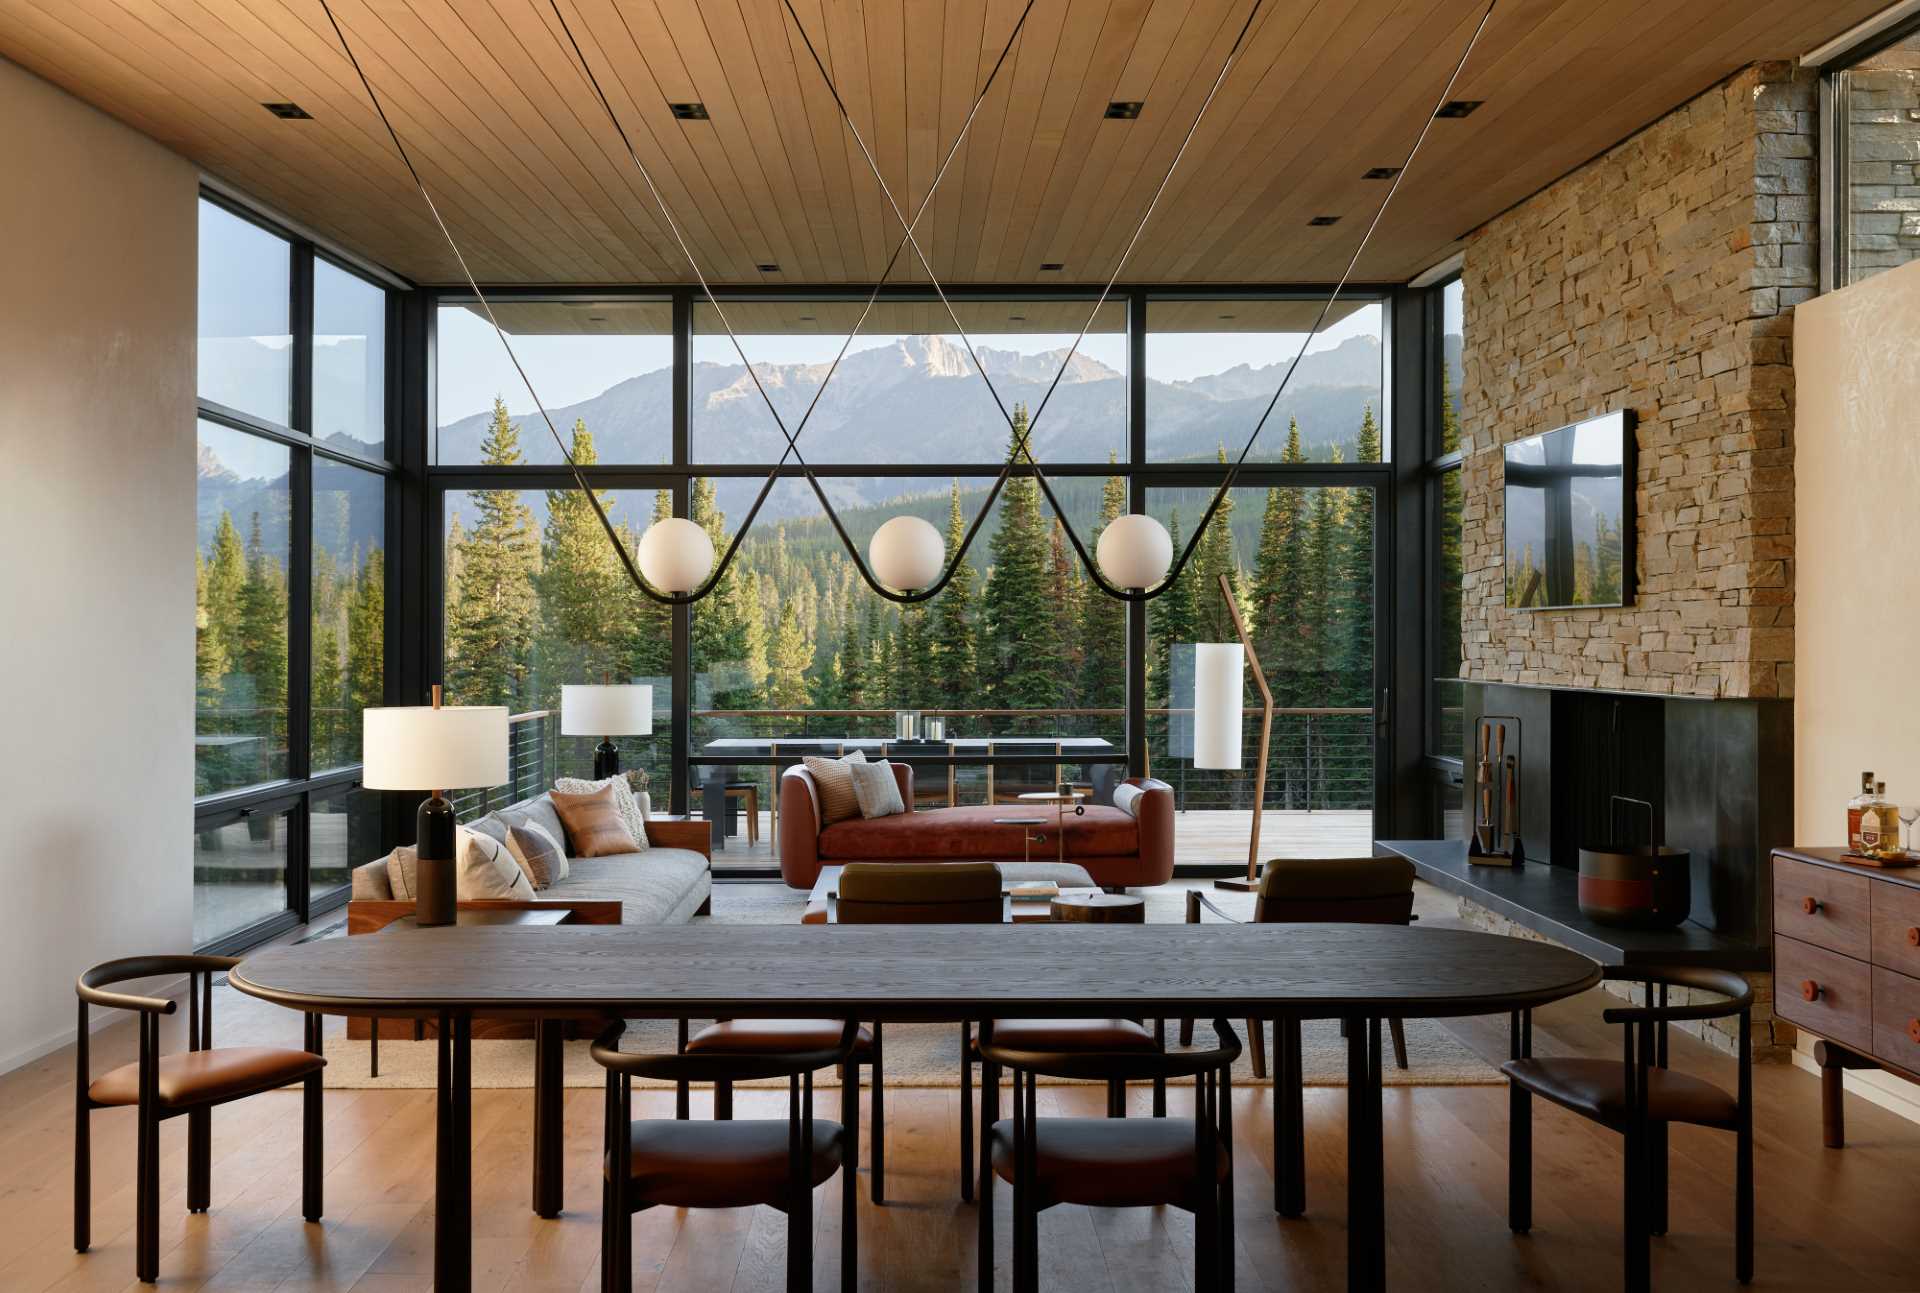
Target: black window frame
{"points": [[296, 792], [1443, 768]]}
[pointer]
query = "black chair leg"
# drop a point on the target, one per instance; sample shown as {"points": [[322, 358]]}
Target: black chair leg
{"points": [[1637, 1250], [199, 1159], [82, 1178], [723, 1101], [1160, 1083], [1519, 1160], [682, 1093], [147, 1193], [850, 1182], [989, 1113], [1116, 1099], [1186, 1032], [1257, 1046], [1399, 1030], [1743, 1205], [878, 1182], [966, 1113], [1657, 1178], [1289, 1121]]}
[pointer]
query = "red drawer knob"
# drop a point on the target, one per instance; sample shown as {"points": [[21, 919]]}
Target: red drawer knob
{"points": [[1810, 905], [1810, 990], [1913, 1029], [1913, 936]]}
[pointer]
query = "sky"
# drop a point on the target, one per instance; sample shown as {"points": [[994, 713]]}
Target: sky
{"points": [[473, 368]]}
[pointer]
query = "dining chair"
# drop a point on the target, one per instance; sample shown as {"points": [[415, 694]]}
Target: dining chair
{"points": [[728, 1163], [1107, 1162], [1362, 891], [1640, 1097], [189, 1083]]}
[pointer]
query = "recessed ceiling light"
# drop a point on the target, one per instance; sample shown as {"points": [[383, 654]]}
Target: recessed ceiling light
{"points": [[1051, 267], [288, 111], [1321, 222], [1124, 110], [768, 267], [1381, 173], [807, 318], [1016, 318], [689, 111], [596, 318], [1229, 316], [1459, 107]]}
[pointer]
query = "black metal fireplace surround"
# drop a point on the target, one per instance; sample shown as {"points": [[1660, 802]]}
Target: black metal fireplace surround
{"points": [[1719, 774]]}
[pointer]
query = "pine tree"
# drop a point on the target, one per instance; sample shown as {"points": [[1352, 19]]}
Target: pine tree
{"points": [[209, 644], [366, 644], [1103, 621], [492, 621], [1173, 618], [1281, 588], [852, 661], [955, 647], [727, 619], [1021, 652], [1353, 580], [1213, 557], [790, 658], [327, 702], [648, 625], [226, 577], [581, 584], [262, 638], [1065, 598]]}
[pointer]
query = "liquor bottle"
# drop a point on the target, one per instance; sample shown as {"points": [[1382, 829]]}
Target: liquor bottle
{"points": [[1855, 807], [1879, 825]]}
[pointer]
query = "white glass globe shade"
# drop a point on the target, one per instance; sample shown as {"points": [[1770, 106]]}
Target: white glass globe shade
{"points": [[1134, 551], [675, 555], [907, 553]]}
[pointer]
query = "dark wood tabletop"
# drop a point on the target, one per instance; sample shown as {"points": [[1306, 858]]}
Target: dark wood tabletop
{"points": [[922, 973]]}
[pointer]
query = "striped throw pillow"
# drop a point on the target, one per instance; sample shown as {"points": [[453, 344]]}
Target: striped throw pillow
{"points": [[835, 784]]}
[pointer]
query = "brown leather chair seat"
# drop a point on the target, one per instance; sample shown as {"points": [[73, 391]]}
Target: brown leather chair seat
{"points": [[1072, 1035], [208, 1077], [1597, 1089], [774, 1037], [735, 1164], [1106, 1162]]}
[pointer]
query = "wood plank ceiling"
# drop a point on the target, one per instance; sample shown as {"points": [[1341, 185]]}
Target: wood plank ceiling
{"points": [[538, 189]]}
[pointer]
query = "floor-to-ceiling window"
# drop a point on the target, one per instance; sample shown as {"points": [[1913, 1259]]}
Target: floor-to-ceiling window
{"points": [[669, 417], [1445, 739], [290, 572]]}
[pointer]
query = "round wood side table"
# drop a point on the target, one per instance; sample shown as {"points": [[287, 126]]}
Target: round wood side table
{"points": [[1099, 908]]}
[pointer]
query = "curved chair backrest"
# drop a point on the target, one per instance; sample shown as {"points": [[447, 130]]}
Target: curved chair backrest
{"points": [[707, 1066], [920, 893], [1365, 890], [92, 981], [1121, 1066], [1735, 991]]}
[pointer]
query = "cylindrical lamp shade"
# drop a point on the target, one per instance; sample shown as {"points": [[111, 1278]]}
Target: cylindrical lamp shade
{"points": [[907, 553], [1218, 704], [1134, 551], [417, 747], [675, 555], [606, 709]]}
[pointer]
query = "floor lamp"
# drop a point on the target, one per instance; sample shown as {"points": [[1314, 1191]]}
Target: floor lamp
{"points": [[1218, 715]]}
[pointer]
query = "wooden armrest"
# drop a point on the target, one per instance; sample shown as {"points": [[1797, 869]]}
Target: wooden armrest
{"points": [[694, 835], [1196, 900], [370, 915]]}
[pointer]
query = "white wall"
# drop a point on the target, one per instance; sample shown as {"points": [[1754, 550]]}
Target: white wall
{"points": [[1857, 609], [97, 322]]}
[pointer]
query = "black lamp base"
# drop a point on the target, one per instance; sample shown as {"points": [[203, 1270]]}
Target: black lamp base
{"points": [[435, 876], [606, 759]]}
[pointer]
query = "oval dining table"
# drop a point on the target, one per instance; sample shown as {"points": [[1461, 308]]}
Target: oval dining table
{"points": [[908, 974]]}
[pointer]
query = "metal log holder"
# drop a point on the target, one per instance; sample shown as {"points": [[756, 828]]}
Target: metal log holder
{"points": [[1494, 839]]}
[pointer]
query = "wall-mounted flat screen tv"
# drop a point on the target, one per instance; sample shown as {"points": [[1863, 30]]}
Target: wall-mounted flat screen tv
{"points": [[1570, 519]]}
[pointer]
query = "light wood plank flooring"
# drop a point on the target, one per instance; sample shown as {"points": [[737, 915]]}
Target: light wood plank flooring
{"points": [[1827, 1219]]}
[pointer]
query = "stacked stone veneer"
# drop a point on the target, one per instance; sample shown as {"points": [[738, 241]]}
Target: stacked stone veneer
{"points": [[1883, 141], [1659, 277]]}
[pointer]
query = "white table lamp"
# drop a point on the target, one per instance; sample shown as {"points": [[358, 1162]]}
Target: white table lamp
{"points": [[434, 748], [606, 710]]}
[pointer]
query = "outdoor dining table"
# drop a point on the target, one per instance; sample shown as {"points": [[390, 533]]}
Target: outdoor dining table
{"points": [[907, 974]]}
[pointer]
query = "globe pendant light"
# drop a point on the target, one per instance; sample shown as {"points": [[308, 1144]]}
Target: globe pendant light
{"points": [[675, 555], [1134, 551], [907, 553]]}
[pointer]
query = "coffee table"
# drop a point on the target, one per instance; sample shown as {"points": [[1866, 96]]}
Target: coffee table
{"points": [[1030, 910]]}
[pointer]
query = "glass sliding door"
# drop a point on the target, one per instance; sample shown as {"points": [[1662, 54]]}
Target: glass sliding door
{"points": [[1301, 562]]}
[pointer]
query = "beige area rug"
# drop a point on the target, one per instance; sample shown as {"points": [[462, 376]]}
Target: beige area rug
{"points": [[917, 1055]]}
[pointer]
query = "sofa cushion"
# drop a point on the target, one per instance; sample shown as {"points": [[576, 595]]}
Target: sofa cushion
{"points": [[594, 826], [662, 886], [485, 869], [969, 832], [624, 803], [539, 854], [541, 813], [370, 881], [875, 790], [833, 786]]}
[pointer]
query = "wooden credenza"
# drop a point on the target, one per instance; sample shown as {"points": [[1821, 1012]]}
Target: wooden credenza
{"points": [[1846, 966]]}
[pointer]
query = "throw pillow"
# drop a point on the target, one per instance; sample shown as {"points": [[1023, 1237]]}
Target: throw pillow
{"points": [[623, 803], [594, 828], [875, 789], [400, 864], [540, 813], [545, 861], [1127, 799], [834, 780], [486, 870], [491, 826]]}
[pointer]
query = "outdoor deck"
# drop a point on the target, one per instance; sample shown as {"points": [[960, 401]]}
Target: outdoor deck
{"points": [[1200, 836]]}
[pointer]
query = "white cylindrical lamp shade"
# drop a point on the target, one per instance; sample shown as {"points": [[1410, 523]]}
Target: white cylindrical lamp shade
{"points": [[606, 709], [907, 553], [418, 747], [1134, 551], [1218, 704], [675, 555]]}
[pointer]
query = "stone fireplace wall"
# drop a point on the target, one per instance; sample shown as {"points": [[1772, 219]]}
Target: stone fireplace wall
{"points": [[1661, 277]]}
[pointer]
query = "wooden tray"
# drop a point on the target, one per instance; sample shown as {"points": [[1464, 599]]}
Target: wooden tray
{"points": [[1905, 859]]}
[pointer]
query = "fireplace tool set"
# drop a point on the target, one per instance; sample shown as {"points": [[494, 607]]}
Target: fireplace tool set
{"points": [[1495, 837]]}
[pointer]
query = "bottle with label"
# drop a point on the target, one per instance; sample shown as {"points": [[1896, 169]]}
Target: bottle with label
{"points": [[1855, 807], [1879, 825]]}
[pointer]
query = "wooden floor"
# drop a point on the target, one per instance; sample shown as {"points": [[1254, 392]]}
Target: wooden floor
{"points": [[1827, 1220]]}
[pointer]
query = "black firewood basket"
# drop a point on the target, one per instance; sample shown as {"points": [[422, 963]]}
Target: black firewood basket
{"points": [[1643, 886]]}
